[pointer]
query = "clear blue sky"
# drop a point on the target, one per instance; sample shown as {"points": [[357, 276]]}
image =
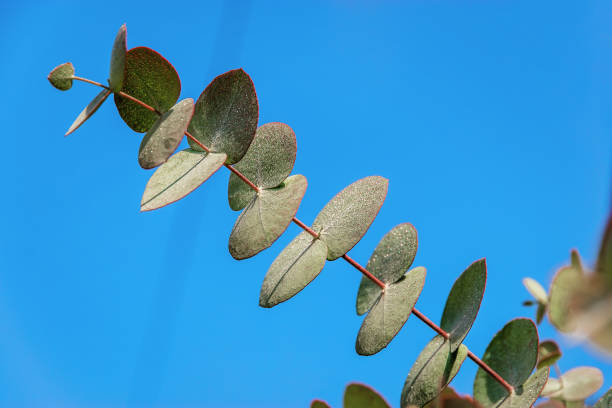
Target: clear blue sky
{"points": [[491, 119]]}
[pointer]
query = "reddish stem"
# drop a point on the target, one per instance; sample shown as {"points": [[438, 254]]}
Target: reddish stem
{"points": [[365, 272], [431, 324], [490, 371], [305, 227]]}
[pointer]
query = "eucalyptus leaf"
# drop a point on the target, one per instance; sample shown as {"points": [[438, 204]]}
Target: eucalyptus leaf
{"points": [[293, 269], [433, 370], [576, 262], [525, 395], [390, 312], [512, 353], [347, 217], [319, 404], [150, 78], [548, 353], [266, 217], [391, 259], [61, 76], [578, 384], [605, 401], [536, 290], [604, 258], [89, 110], [565, 284], [267, 162], [463, 302], [226, 115], [362, 396], [164, 137], [117, 62], [540, 312], [179, 176]]}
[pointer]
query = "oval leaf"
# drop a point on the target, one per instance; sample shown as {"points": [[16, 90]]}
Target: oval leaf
{"points": [[267, 163], [391, 259], [536, 290], [548, 353], [433, 370], [362, 396], [563, 288], [165, 135], [266, 217], [578, 384], [179, 176], [226, 115], [513, 354], [89, 110], [293, 269], [390, 312], [463, 302], [150, 78], [605, 401], [525, 395], [117, 62], [319, 404], [347, 217], [61, 76]]}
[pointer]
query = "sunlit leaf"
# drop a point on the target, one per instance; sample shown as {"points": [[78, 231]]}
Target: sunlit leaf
{"points": [[578, 384], [89, 110], [435, 367], [293, 269], [548, 353], [576, 262], [605, 401], [604, 258], [390, 312], [391, 259], [319, 404], [463, 302], [536, 290], [362, 396], [179, 176], [525, 395], [512, 353], [561, 309], [266, 217], [347, 217], [164, 137], [150, 78], [61, 76], [266, 164], [117, 62], [226, 115]]}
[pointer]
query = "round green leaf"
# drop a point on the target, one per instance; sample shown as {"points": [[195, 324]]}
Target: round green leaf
{"points": [[578, 384], [179, 176], [463, 302], [150, 78], [293, 269], [362, 396], [266, 217], [605, 401], [117, 62], [435, 367], [165, 135], [564, 285], [267, 162], [226, 115], [347, 217], [548, 353], [61, 76], [604, 258], [89, 110], [391, 259], [536, 290], [319, 404], [390, 312], [513, 354], [525, 395]]}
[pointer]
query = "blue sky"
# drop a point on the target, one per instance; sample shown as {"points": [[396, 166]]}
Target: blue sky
{"points": [[491, 119]]}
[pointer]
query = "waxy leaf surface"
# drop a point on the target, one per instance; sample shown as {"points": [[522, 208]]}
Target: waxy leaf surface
{"points": [[267, 163], [89, 110], [347, 217], [463, 302], [605, 401], [435, 367], [164, 137], [61, 76], [319, 404], [226, 115], [566, 281], [536, 290], [266, 217], [293, 269], [117, 62], [525, 395], [390, 312], [391, 259], [150, 78], [548, 353], [362, 396], [578, 384], [179, 176], [513, 354]]}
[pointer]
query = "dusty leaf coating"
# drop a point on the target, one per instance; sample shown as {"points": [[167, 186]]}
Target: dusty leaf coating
{"points": [[89, 110], [117, 61], [61, 76], [362, 396]]}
